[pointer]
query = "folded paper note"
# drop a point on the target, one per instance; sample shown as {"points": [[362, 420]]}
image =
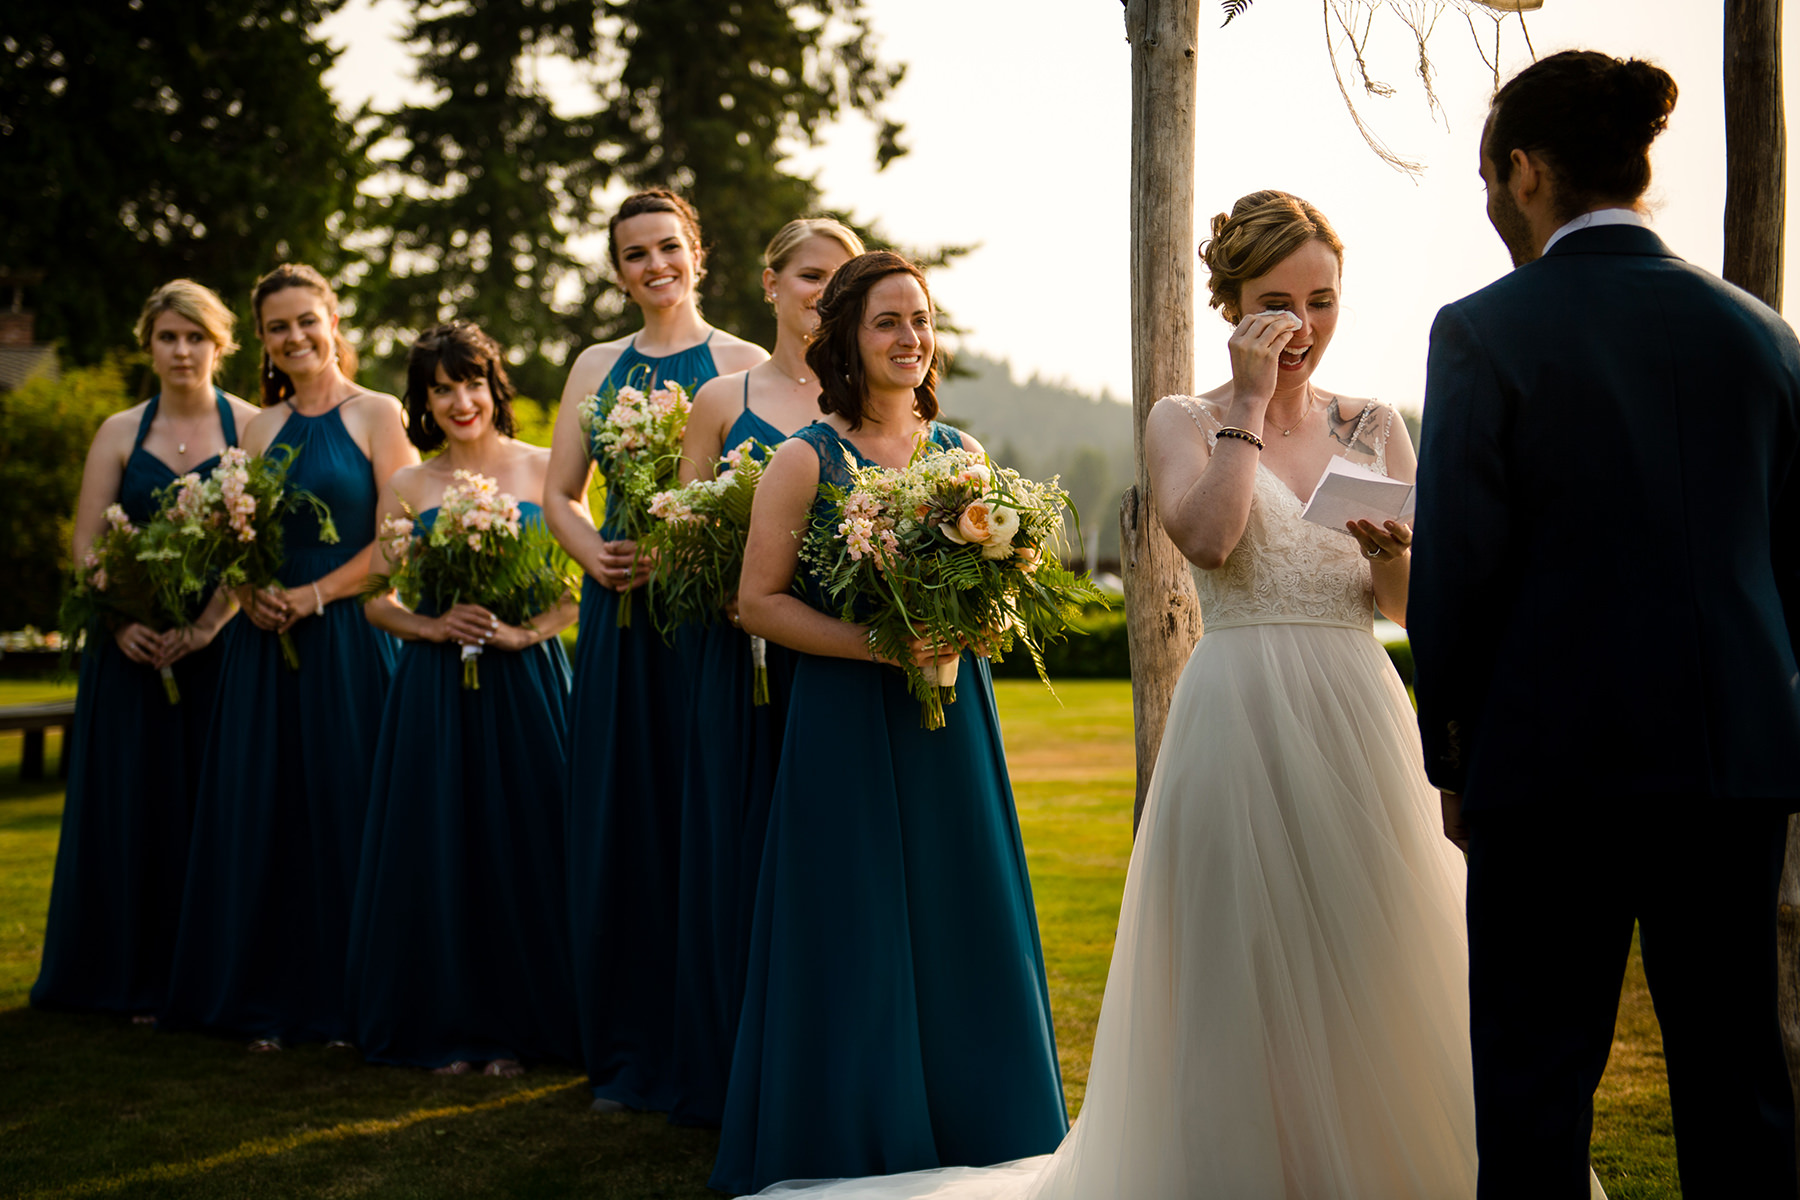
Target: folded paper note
{"points": [[1347, 492]]}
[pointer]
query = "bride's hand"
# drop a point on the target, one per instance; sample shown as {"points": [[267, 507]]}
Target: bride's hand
{"points": [[1256, 345], [1386, 543]]}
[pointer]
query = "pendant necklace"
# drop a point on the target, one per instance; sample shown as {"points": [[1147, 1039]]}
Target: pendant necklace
{"points": [[1307, 412]]}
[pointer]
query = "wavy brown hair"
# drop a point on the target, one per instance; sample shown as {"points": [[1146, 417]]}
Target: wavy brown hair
{"points": [[465, 352], [1261, 231], [835, 354], [276, 386]]}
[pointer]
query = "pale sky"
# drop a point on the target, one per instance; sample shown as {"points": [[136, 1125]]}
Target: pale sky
{"points": [[1019, 118]]}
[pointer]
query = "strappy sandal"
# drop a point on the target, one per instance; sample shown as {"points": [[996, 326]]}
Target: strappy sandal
{"points": [[265, 1045], [459, 1067], [505, 1068]]}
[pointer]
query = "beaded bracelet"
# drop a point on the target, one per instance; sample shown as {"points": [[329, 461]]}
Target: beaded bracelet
{"points": [[1243, 435]]}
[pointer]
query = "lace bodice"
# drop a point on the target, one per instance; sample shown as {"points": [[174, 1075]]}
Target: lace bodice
{"points": [[1285, 570]]}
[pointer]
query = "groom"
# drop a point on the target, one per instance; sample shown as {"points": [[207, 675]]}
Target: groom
{"points": [[1605, 606]]}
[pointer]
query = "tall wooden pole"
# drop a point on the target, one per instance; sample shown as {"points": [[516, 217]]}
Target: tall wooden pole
{"points": [[1162, 615], [1755, 209]]}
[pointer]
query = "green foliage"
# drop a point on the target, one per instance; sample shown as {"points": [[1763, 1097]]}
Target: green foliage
{"points": [[162, 138], [117, 584], [698, 541], [1097, 648], [45, 429]]}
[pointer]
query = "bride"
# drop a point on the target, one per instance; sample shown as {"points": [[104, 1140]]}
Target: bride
{"points": [[1287, 1011]]}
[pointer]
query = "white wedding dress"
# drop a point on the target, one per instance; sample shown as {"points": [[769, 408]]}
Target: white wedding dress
{"points": [[1286, 1014]]}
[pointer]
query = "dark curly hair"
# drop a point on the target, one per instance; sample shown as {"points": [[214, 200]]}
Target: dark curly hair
{"points": [[465, 352], [1591, 117], [835, 355]]}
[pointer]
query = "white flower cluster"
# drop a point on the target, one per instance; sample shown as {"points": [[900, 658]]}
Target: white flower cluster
{"points": [[631, 423]]}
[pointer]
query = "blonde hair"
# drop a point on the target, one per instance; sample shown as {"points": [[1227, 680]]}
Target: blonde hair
{"points": [[198, 303], [790, 237], [1262, 230]]}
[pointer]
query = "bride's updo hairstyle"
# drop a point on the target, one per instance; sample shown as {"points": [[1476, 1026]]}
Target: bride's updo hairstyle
{"points": [[835, 354], [1262, 230], [1591, 117]]}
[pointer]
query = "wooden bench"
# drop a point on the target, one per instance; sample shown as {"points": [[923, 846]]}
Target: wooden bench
{"points": [[33, 720]]}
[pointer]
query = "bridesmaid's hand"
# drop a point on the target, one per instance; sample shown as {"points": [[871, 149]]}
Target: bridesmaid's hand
{"points": [[182, 641], [267, 608], [514, 637], [466, 625], [621, 568], [928, 654], [1256, 345], [139, 643], [303, 601]]}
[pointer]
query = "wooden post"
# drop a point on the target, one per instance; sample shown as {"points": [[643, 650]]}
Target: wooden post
{"points": [[1755, 203], [1162, 614]]}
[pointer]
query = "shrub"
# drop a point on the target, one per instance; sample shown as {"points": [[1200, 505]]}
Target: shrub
{"points": [[1100, 650], [45, 428]]}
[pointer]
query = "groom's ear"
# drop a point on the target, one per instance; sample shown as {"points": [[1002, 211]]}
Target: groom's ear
{"points": [[1527, 176]]}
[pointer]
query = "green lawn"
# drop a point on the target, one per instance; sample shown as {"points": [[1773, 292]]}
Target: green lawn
{"points": [[95, 1107]]}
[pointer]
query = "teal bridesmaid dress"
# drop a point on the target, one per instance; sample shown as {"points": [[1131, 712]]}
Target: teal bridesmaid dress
{"points": [[735, 747], [459, 938], [628, 725], [284, 791], [896, 1016], [134, 764]]}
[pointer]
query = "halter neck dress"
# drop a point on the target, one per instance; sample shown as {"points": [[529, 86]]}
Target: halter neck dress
{"points": [[284, 791], [896, 1015], [459, 939], [134, 765], [628, 724], [735, 746]]}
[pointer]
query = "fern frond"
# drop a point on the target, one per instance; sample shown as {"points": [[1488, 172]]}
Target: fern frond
{"points": [[1234, 8]]}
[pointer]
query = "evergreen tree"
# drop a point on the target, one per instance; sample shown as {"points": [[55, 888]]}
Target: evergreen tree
{"points": [[710, 95], [152, 139], [487, 187], [702, 95]]}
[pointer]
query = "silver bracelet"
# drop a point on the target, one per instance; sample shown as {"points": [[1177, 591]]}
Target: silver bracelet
{"points": [[873, 657], [317, 599]]}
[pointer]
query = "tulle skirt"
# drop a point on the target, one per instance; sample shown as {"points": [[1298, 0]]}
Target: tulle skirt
{"points": [[1286, 1014]]}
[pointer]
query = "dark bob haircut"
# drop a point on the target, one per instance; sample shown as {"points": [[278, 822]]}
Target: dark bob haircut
{"points": [[1591, 117], [835, 354], [465, 353]]}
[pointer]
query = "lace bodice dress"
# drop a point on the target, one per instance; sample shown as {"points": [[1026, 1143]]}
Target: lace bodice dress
{"points": [[1284, 569]]}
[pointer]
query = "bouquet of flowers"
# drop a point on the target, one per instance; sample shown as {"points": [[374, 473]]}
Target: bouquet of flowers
{"points": [[635, 438], [477, 551], [698, 539], [226, 530], [953, 550], [115, 584]]}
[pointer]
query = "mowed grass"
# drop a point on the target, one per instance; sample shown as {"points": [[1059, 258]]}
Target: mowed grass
{"points": [[93, 1106]]}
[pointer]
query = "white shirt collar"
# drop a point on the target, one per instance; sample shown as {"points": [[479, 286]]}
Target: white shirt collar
{"points": [[1600, 216]]}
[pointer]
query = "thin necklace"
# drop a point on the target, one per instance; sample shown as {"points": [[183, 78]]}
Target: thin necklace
{"points": [[1304, 414], [785, 375]]}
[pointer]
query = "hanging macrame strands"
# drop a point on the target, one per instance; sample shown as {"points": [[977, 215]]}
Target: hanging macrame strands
{"points": [[1348, 24]]}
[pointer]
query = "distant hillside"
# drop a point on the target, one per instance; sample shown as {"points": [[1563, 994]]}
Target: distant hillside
{"points": [[1040, 428]]}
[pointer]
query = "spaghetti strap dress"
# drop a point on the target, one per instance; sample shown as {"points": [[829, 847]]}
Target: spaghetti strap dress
{"points": [[134, 764], [735, 746], [895, 1015], [459, 939], [284, 791], [628, 726]]}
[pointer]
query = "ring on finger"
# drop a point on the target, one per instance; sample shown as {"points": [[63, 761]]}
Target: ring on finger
{"points": [[1377, 552]]}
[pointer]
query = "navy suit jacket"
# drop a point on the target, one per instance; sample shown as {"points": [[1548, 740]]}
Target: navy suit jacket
{"points": [[1605, 593]]}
